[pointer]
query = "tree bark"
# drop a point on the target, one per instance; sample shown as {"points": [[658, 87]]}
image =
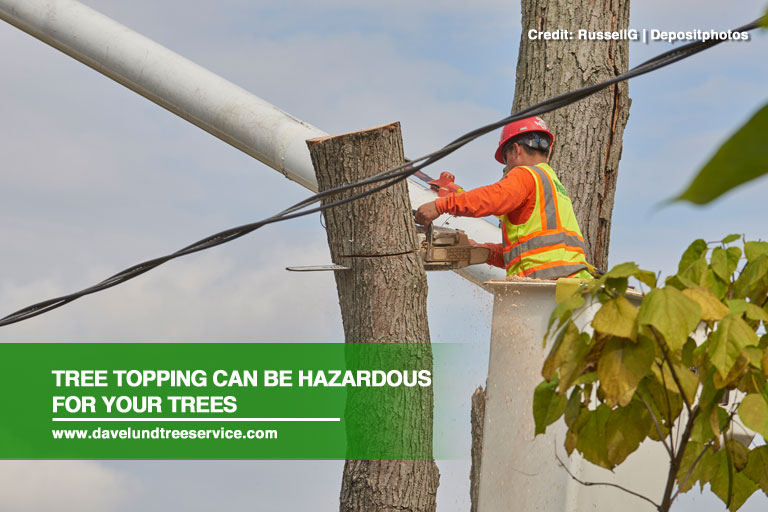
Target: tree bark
{"points": [[382, 299], [589, 132], [477, 417]]}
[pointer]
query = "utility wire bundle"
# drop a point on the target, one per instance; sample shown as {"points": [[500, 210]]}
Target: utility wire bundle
{"points": [[386, 178]]}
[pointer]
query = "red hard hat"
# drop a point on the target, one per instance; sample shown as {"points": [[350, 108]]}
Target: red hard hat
{"points": [[531, 124]]}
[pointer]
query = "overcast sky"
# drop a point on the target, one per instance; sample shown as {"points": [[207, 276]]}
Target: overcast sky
{"points": [[96, 178]]}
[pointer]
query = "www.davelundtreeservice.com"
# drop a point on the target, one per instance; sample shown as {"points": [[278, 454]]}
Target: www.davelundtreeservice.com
{"points": [[645, 35]]}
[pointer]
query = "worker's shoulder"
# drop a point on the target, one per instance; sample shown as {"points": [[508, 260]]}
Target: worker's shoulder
{"points": [[520, 175]]}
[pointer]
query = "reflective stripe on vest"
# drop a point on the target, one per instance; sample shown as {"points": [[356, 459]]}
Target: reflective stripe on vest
{"points": [[542, 241], [549, 200], [555, 271], [544, 248]]}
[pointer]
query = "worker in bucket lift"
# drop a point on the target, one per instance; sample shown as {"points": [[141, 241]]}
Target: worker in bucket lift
{"points": [[540, 236]]}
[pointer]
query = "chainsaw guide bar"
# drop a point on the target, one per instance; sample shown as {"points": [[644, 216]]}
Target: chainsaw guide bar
{"points": [[440, 249]]}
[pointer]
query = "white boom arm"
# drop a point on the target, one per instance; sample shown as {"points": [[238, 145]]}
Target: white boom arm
{"points": [[201, 97]]}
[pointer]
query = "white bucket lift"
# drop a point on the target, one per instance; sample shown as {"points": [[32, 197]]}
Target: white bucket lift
{"points": [[518, 472]]}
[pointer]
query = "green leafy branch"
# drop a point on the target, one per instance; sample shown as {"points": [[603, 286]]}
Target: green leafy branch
{"points": [[664, 365]]}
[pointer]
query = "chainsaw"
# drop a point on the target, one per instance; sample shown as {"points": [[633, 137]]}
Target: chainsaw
{"points": [[440, 249], [448, 249]]}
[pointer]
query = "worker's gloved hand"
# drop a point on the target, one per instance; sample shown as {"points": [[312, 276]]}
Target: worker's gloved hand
{"points": [[426, 214]]}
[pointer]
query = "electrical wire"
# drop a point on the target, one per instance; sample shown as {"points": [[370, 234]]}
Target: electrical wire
{"points": [[386, 178]]}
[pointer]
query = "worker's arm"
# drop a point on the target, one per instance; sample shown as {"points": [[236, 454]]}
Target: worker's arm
{"points": [[502, 197], [514, 191], [497, 256]]}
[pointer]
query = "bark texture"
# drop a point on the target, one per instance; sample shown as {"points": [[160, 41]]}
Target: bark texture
{"points": [[477, 417], [382, 299], [588, 133]]}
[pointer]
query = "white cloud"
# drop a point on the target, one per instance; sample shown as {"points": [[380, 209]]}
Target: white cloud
{"points": [[209, 297], [65, 486]]}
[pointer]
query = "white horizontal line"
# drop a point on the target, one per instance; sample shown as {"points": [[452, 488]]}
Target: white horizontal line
{"points": [[190, 419]]}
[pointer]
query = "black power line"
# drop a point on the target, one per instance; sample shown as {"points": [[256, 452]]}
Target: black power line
{"points": [[385, 179]]}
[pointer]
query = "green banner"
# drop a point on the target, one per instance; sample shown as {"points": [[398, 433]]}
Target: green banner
{"points": [[218, 400]]}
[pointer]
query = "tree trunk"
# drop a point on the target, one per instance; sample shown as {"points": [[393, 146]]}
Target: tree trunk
{"points": [[477, 417], [382, 298], [589, 132]]}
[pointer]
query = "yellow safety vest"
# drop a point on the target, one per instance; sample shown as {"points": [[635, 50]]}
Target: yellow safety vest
{"points": [[549, 244]]}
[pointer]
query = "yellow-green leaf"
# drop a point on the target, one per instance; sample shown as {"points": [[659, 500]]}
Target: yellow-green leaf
{"points": [[548, 405], [556, 354], [625, 429], [646, 277], [757, 467], [566, 287], [692, 254], [687, 354], [692, 451], [717, 285], [707, 467], [712, 309], [573, 366], [717, 421], [730, 238], [672, 313], [724, 480], [738, 370], [739, 453], [753, 412], [666, 407], [567, 355], [764, 362], [754, 250], [585, 378], [740, 159], [688, 380], [741, 487], [752, 382], [617, 318], [591, 437], [734, 256], [703, 471], [750, 310], [564, 310], [571, 438], [573, 407], [719, 263], [754, 356], [725, 344], [708, 402], [622, 366], [630, 269], [753, 278], [623, 270]]}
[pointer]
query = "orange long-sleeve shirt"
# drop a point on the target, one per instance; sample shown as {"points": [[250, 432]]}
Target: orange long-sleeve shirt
{"points": [[514, 196]]}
